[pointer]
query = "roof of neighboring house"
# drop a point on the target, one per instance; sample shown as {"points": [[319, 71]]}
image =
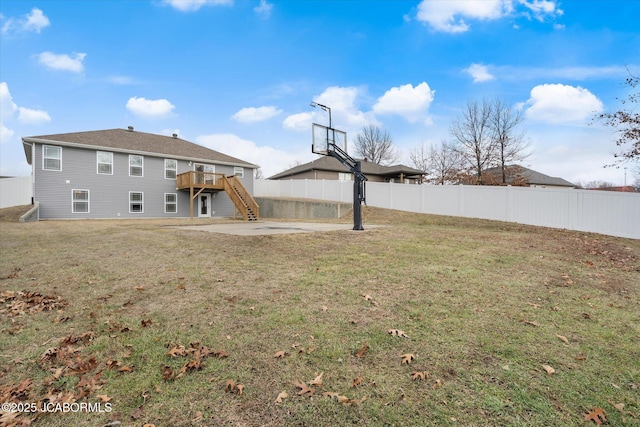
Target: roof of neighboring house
{"points": [[331, 164], [135, 142], [530, 176]]}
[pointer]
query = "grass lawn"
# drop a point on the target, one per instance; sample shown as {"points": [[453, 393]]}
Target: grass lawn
{"points": [[492, 324]]}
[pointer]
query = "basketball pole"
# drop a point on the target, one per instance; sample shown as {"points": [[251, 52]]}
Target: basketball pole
{"points": [[354, 166]]}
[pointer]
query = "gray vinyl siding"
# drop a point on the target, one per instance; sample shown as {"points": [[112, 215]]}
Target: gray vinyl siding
{"points": [[109, 194]]}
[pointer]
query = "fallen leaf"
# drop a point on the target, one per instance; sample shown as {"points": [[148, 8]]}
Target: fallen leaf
{"points": [[317, 381], [280, 354], [168, 373], [125, 369], [145, 323], [239, 388], [304, 389], [220, 354], [397, 333], [103, 398], [281, 396], [357, 381], [407, 358], [563, 339], [597, 415], [437, 384], [618, 406], [362, 351], [549, 369], [421, 375], [229, 386]]}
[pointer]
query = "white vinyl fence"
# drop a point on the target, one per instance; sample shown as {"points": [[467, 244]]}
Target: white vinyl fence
{"points": [[15, 191], [605, 212]]}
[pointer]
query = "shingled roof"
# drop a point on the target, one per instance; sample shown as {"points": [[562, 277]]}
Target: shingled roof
{"points": [[331, 164], [135, 142], [530, 176]]}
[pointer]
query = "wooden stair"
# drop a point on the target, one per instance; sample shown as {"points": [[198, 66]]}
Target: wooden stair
{"points": [[243, 202]]}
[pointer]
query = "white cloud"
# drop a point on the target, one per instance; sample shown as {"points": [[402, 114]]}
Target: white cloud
{"points": [[479, 72], [264, 9], [542, 8], [29, 116], [557, 103], [7, 106], [63, 62], [253, 114], [149, 107], [5, 133], [449, 16], [33, 21], [344, 107], [8, 109], [271, 160], [194, 5], [345, 113], [36, 21], [299, 122], [452, 16], [406, 101]]}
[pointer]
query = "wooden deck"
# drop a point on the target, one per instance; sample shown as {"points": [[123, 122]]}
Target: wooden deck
{"points": [[211, 182]]}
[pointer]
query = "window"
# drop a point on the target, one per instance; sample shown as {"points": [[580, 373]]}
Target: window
{"points": [[136, 202], [51, 158], [105, 163], [238, 171], [170, 203], [135, 165], [80, 201], [170, 168], [345, 176]]}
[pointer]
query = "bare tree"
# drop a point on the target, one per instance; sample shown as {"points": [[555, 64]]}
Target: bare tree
{"points": [[420, 159], [257, 173], [627, 123], [510, 143], [376, 145], [444, 164], [472, 133]]}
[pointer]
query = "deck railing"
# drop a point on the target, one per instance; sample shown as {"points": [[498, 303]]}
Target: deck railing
{"points": [[210, 180]]}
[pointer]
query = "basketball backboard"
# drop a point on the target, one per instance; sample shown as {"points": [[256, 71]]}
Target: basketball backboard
{"points": [[323, 139]]}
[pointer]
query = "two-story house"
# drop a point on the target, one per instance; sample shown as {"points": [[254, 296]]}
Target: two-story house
{"points": [[123, 173]]}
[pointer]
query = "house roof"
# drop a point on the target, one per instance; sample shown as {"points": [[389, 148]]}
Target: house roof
{"points": [[331, 164], [531, 176], [135, 142]]}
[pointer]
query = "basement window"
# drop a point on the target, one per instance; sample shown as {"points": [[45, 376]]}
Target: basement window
{"points": [[136, 202], [80, 201], [170, 203]]}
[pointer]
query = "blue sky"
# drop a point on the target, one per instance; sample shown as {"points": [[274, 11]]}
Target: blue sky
{"points": [[238, 76]]}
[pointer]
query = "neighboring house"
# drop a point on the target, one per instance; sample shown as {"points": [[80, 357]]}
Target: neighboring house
{"points": [[521, 176], [623, 189], [330, 168], [120, 173]]}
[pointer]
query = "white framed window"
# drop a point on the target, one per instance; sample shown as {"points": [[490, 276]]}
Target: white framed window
{"points": [[136, 164], [80, 201], [342, 176], [105, 162], [170, 168], [238, 171], [170, 203], [51, 158], [136, 202]]}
